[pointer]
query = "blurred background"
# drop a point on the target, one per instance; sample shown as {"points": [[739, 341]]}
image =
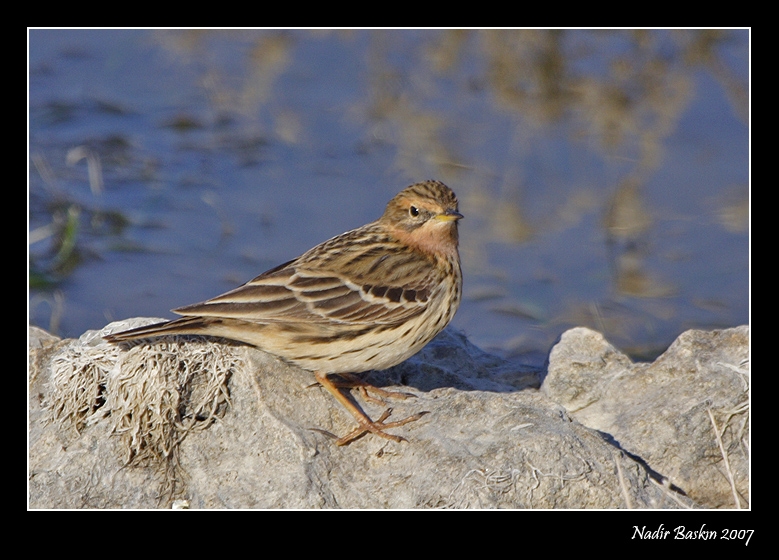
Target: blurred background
{"points": [[604, 175]]}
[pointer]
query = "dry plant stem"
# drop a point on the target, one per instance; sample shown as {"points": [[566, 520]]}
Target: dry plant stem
{"points": [[725, 458], [622, 483], [365, 423]]}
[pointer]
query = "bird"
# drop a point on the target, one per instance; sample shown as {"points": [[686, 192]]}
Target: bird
{"points": [[367, 299]]}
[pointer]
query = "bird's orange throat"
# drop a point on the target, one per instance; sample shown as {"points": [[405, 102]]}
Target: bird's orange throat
{"points": [[433, 238]]}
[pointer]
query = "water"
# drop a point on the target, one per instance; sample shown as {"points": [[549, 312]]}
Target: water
{"points": [[604, 175]]}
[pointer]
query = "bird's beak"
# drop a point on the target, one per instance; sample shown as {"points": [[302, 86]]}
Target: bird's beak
{"points": [[449, 216]]}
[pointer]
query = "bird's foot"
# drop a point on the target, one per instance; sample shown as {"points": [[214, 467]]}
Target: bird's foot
{"points": [[378, 428], [365, 424], [351, 381]]}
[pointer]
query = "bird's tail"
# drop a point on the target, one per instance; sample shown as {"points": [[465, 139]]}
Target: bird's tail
{"points": [[185, 325]]}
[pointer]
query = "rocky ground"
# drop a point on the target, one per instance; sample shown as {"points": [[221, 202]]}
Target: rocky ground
{"points": [[199, 423]]}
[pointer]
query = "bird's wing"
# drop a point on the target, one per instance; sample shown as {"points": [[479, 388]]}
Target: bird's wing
{"points": [[331, 283]]}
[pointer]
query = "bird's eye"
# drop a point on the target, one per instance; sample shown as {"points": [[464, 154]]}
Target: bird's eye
{"points": [[413, 211]]}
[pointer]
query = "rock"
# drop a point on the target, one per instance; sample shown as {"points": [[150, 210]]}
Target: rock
{"points": [[212, 424], [666, 412]]}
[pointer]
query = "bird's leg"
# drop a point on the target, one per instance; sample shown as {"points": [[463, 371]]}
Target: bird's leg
{"points": [[365, 423]]}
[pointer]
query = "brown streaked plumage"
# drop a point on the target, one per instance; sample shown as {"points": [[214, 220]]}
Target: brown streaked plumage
{"points": [[366, 299]]}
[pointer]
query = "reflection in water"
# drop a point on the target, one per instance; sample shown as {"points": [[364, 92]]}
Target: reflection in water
{"points": [[627, 223], [603, 174]]}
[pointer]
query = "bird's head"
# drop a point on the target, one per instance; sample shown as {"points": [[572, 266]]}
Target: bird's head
{"points": [[425, 217]]}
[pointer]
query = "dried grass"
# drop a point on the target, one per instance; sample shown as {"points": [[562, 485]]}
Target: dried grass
{"points": [[153, 394], [736, 437]]}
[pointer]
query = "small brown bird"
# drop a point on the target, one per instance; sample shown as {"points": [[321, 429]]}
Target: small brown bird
{"points": [[367, 299]]}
